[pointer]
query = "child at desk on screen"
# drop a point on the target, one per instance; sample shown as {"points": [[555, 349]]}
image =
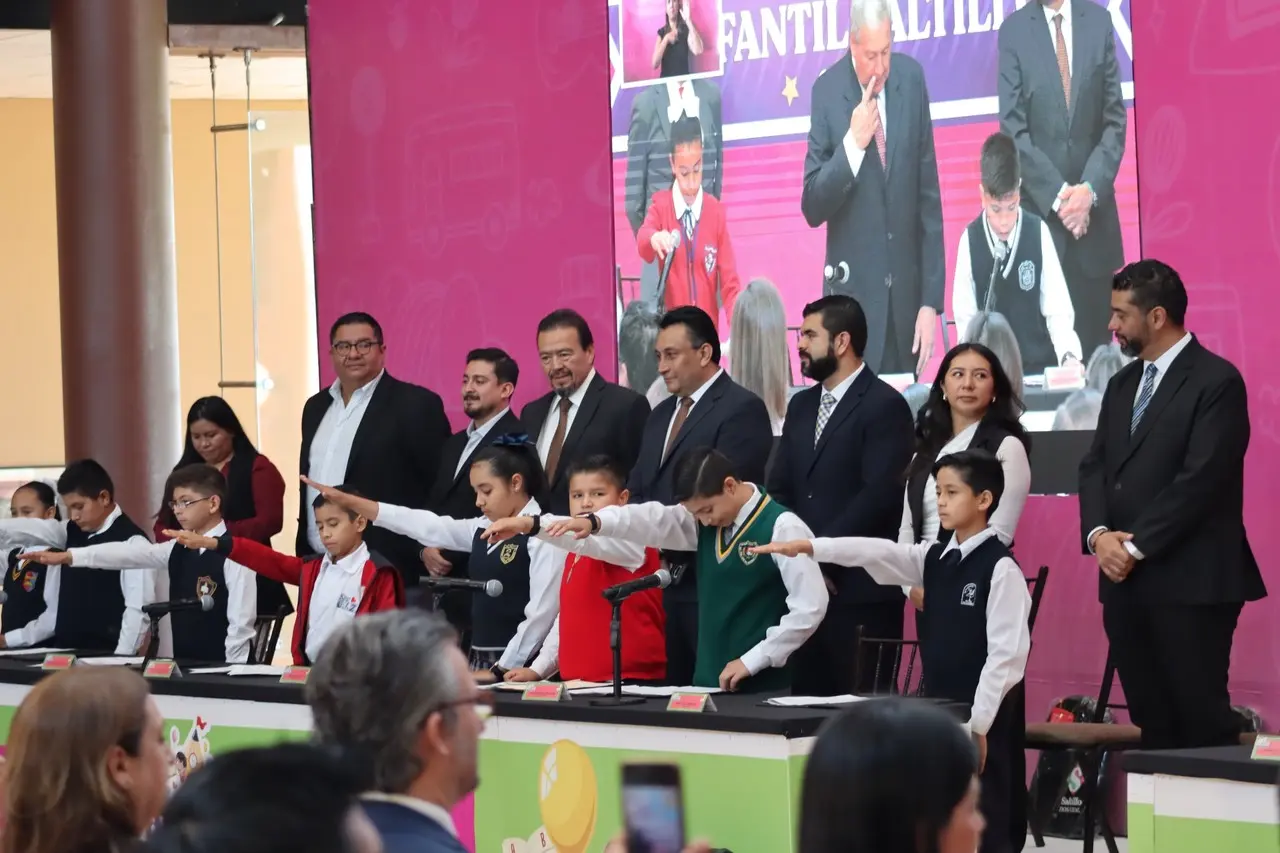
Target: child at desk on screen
{"points": [[507, 628], [348, 581], [976, 640], [27, 590], [578, 644]]}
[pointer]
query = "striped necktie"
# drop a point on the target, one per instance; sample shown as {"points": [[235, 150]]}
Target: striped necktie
{"points": [[1144, 396]]}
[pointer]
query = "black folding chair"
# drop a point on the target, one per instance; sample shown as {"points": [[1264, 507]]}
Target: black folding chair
{"points": [[267, 636], [895, 665]]}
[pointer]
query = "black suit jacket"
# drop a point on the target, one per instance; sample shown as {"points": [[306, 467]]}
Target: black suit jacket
{"points": [[887, 227], [1176, 484], [609, 422], [1060, 143], [851, 483], [394, 458]]}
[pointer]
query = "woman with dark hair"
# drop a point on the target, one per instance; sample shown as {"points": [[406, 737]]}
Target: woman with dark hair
{"points": [[891, 776], [972, 405], [254, 508]]}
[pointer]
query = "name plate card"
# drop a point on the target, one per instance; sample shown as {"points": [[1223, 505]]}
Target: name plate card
{"points": [[162, 668], [1266, 748], [295, 675], [545, 691], [55, 662], [691, 703]]}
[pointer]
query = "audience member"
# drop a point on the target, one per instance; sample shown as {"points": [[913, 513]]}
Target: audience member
{"points": [[1106, 361], [583, 415], [29, 588], [916, 394], [372, 432], [1079, 411], [994, 332], [761, 360], [637, 339], [88, 764], [254, 505], [392, 691]]}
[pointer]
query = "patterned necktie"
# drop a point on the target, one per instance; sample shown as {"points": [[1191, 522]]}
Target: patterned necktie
{"points": [[1064, 64], [687, 219], [824, 414], [880, 143], [1144, 396]]}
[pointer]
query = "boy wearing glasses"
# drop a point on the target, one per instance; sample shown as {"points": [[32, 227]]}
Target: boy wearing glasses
{"points": [[222, 633]]}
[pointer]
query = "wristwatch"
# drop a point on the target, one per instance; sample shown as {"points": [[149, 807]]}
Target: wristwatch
{"points": [[498, 672], [595, 522], [536, 526]]}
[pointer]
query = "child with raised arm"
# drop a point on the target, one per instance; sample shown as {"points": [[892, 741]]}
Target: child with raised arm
{"points": [[976, 640], [30, 588], [752, 613], [578, 644], [508, 628], [348, 581]]}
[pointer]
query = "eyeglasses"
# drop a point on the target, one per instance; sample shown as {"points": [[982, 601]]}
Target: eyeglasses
{"points": [[364, 347], [177, 505], [482, 702]]}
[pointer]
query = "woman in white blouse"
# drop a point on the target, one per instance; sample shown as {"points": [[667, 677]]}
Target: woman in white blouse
{"points": [[972, 404]]}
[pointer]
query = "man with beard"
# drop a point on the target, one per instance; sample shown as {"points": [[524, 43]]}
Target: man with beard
{"points": [[845, 447], [1162, 511]]}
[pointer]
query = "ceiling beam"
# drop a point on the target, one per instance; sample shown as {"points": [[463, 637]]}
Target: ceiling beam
{"points": [[266, 41]]}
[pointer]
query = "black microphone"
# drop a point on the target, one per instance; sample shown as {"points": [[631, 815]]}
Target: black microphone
{"points": [[666, 269], [660, 579], [491, 588], [160, 608], [1001, 253]]}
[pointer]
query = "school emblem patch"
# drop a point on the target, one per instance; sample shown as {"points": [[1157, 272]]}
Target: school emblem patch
{"points": [[205, 585], [744, 552], [508, 552], [29, 580], [969, 595], [1027, 275], [710, 260]]}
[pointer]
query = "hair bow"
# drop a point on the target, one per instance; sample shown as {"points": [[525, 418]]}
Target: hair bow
{"points": [[514, 439]]}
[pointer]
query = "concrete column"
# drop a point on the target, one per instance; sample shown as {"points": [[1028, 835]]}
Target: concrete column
{"points": [[116, 268]]}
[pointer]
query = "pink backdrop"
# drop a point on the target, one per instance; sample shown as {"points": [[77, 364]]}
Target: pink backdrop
{"points": [[641, 20]]}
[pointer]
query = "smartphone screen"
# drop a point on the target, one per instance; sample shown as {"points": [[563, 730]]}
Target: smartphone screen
{"points": [[653, 808]]}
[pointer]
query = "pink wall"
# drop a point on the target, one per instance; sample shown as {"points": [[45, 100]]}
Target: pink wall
{"points": [[641, 20], [462, 177]]}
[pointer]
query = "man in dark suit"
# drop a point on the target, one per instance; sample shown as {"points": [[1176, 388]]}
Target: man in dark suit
{"points": [[706, 409], [1162, 509], [871, 177], [583, 415], [845, 445], [372, 432], [1060, 100]]}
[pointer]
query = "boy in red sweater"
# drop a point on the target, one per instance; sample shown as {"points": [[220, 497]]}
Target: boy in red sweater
{"points": [[703, 271], [348, 581], [578, 644]]}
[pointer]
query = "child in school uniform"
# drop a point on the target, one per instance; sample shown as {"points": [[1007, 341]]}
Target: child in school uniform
{"points": [[975, 646], [507, 476], [85, 609], [348, 581], [28, 590], [1030, 288], [753, 613], [222, 634], [578, 643]]}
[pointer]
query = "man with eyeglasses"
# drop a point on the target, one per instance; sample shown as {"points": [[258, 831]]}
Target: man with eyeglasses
{"points": [[373, 432]]}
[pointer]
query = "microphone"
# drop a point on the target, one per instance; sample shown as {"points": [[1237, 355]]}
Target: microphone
{"points": [[838, 274], [160, 608], [660, 579], [1001, 254], [491, 588], [666, 268]]}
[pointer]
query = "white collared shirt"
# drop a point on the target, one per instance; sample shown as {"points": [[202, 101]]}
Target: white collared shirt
{"points": [[679, 103], [475, 435], [1008, 606], [335, 598], [434, 812], [1065, 12], [851, 149], [695, 397], [138, 588], [673, 527], [845, 384], [331, 445], [553, 417], [678, 198]]}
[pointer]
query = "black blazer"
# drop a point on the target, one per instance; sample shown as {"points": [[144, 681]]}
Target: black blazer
{"points": [[851, 483], [1176, 484], [609, 422], [886, 227], [394, 458], [1060, 143]]}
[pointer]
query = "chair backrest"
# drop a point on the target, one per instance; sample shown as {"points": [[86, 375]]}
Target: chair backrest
{"points": [[1104, 703], [894, 664], [1036, 587], [266, 637]]}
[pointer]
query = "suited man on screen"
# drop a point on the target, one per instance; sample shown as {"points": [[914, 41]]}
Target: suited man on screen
{"points": [[871, 176], [1162, 510], [1060, 100]]}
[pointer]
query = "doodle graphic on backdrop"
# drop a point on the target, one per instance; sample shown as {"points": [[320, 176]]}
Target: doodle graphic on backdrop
{"points": [[567, 800], [188, 755]]}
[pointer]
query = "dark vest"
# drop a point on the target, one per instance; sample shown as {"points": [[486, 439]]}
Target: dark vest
{"points": [[90, 601], [989, 436], [240, 505], [198, 635], [1017, 295], [494, 620], [955, 611], [24, 592]]}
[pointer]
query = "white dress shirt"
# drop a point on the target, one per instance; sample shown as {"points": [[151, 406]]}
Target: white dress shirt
{"points": [[1008, 606], [851, 149], [138, 553], [553, 418], [843, 388], [335, 598], [696, 208], [453, 534], [138, 588], [475, 435], [624, 555], [679, 102], [675, 528], [695, 397], [1055, 301], [331, 445]]}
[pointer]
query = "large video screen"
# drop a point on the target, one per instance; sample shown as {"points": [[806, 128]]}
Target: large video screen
{"points": [[963, 168]]}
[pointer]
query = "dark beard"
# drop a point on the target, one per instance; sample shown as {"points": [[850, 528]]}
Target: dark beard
{"points": [[819, 369], [1132, 347]]}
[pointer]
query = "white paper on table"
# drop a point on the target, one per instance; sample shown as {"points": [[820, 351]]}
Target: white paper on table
{"points": [[646, 690], [812, 701], [255, 669], [12, 653], [111, 661], [210, 670]]}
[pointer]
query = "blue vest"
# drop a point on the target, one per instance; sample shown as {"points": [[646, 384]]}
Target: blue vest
{"points": [[198, 635], [90, 601], [1017, 295]]}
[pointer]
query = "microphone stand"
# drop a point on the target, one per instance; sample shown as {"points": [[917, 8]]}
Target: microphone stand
{"points": [[615, 644], [153, 641]]}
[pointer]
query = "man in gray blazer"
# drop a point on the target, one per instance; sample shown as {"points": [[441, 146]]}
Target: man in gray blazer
{"points": [[1060, 100]]}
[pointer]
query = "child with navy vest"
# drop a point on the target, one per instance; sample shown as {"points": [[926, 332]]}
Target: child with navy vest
{"points": [[753, 613], [976, 640], [508, 628], [349, 581], [85, 609], [1030, 289], [27, 590], [223, 633], [578, 644]]}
